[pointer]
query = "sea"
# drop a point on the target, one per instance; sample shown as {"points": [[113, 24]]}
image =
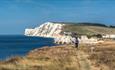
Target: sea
{"points": [[20, 45]]}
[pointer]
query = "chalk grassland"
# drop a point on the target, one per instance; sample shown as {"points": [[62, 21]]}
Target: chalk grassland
{"points": [[54, 58], [103, 57], [89, 30], [65, 57]]}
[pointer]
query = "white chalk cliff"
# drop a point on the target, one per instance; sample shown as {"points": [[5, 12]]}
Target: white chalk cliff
{"points": [[54, 30], [47, 29]]}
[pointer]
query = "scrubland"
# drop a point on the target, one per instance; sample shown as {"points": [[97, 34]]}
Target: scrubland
{"points": [[65, 57]]}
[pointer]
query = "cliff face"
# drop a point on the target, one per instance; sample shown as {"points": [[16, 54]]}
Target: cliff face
{"points": [[50, 29], [47, 29], [55, 30]]}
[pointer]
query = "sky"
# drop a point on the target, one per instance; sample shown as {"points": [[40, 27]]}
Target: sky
{"points": [[16, 15]]}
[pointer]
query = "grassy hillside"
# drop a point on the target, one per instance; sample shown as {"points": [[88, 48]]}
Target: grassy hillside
{"points": [[47, 58], [89, 29], [65, 58]]}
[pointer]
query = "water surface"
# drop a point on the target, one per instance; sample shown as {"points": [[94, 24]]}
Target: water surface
{"points": [[19, 45]]}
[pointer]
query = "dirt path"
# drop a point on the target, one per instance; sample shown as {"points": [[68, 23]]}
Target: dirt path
{"points": [[83, 61]]}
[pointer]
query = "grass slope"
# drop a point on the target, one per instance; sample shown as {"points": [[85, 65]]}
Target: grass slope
{"points": [[88, 29], [47, 58], [65, 58]]}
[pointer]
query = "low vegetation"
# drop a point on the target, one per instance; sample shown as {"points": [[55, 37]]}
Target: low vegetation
{"points": [[65, 57], [47, 58], [89, 28], [103, 57]]}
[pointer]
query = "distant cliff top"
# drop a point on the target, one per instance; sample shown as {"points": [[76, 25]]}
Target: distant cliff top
{"points": [[89, 28], [86, 24], [50, 29]]}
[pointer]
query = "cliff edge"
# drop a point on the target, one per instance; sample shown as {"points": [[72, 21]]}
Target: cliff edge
{"points": [[56, 30], [47, 29], [65, 57]]}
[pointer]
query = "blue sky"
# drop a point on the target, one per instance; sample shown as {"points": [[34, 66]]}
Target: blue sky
{"points": [[16, 15]]}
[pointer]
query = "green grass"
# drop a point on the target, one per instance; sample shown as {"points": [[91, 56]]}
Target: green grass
{"points": [[88, 30]]}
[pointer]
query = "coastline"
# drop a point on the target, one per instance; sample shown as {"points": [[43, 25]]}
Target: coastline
{"points": [[19, 45], [63, 57]]}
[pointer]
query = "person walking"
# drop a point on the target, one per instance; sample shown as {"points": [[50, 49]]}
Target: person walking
{"points": [[75, 41]]}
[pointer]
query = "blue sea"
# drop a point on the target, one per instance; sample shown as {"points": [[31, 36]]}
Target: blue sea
{"points": [[20, 45]]}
